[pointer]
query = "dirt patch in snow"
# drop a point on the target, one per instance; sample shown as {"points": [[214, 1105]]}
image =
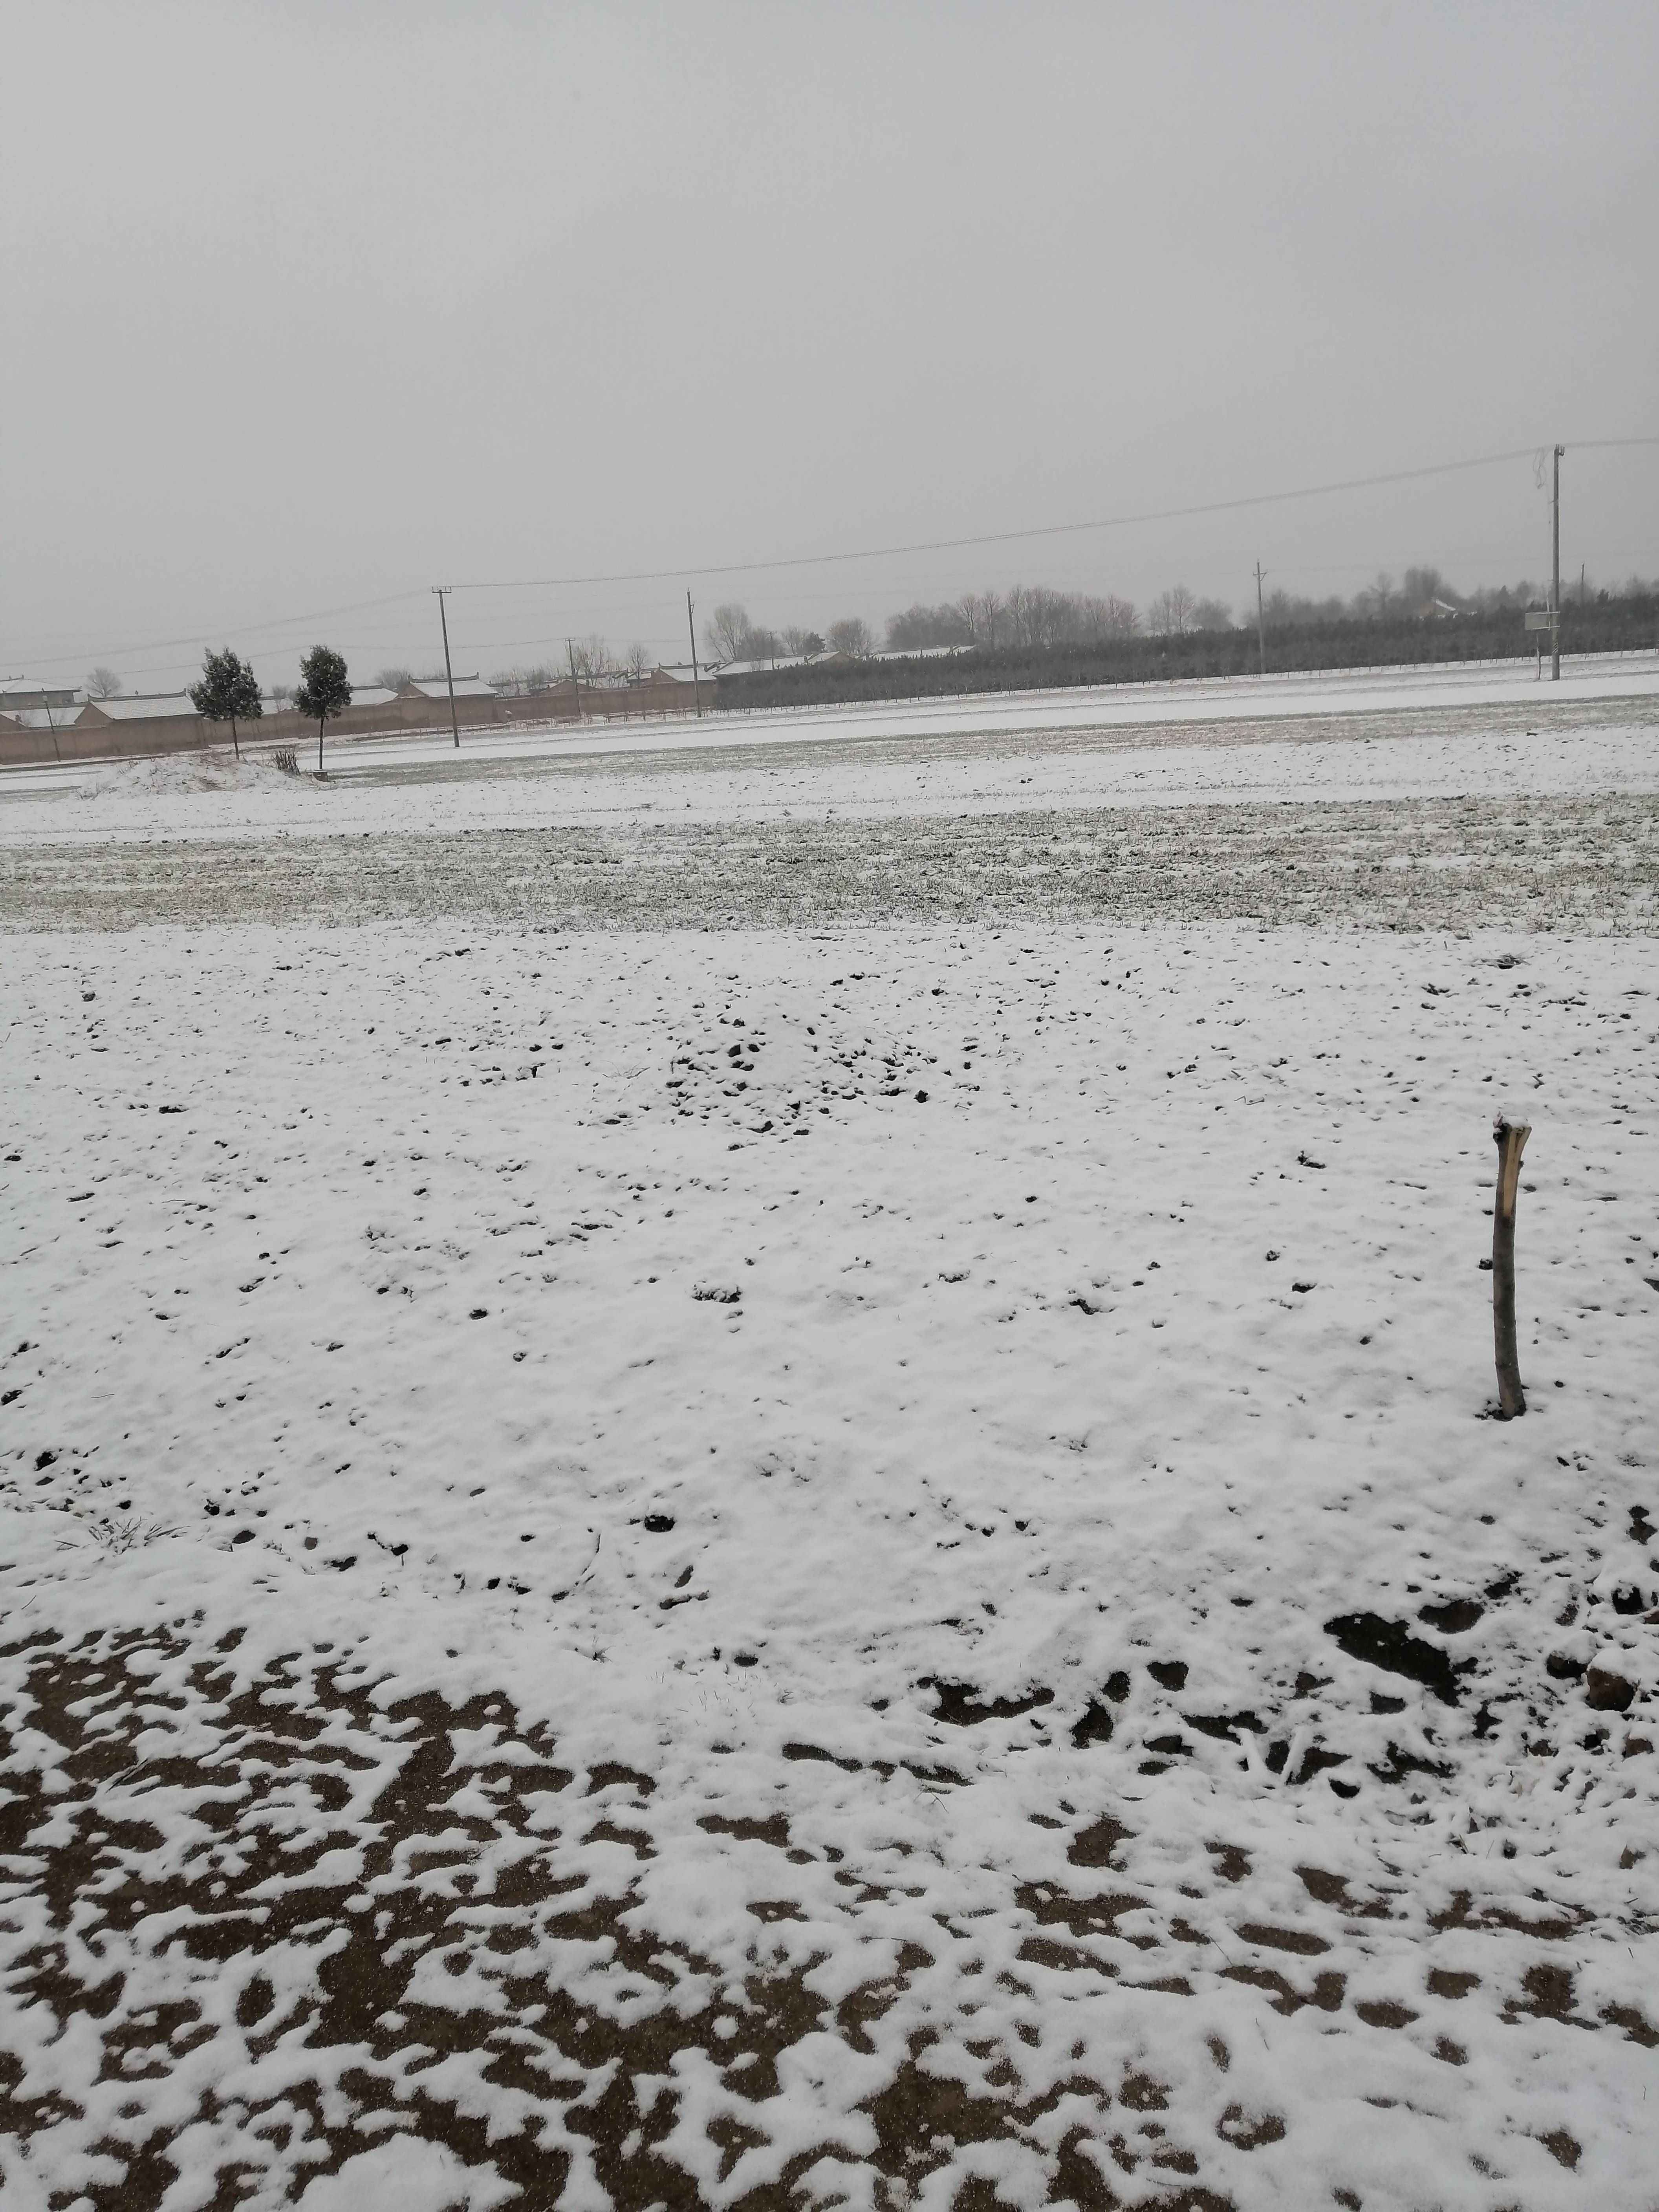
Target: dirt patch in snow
{"points": [[261, 1920]]}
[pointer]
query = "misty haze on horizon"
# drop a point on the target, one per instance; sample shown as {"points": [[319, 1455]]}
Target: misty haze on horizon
{"points": [[312, 308]]}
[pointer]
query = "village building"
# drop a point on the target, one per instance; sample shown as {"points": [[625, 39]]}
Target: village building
{"points": [[59, 724]]}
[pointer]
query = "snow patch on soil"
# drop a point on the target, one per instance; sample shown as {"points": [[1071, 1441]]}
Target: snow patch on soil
{"points": [[988, 1645]]}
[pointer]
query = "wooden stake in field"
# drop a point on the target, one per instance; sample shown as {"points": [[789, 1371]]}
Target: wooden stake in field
{"points": [[1511, 1138]]}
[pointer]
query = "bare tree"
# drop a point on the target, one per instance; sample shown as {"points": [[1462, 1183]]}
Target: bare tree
{"points": [[394, 679], [802, 641], [1170, 614], [852, 635], [1377, 598], [920, 627], [104, 683], [540, 675], [1110, 617], [1017, 615], [1281, 608], [280, 696], [1421, 587], [726, 633], [1211, 614], [1053, 616], [637, 661], [1500, 597], [985, 615], [1037, 617], [593, 658]]}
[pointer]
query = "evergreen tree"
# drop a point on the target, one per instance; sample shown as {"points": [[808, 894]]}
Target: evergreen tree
{"points": [[323, 690], [228, 691]]}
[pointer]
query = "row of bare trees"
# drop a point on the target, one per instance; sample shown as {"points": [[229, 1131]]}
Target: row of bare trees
{"points": [[593, 659], [1029, 616], [1034, 617], [728, 635], [1425, 591]]}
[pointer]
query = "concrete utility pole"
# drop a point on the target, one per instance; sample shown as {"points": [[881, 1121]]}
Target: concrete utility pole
{"points": [[1260, 620], [575, 688], [443, 592], [1555, 567], [696, 681], [45, 701]]}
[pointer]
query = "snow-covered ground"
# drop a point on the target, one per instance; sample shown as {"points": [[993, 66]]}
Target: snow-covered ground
{"points": [[1362, 735], [754, 1566]]}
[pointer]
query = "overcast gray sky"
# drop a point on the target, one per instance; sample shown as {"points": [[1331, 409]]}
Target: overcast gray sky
{"points": [[307, 305]]}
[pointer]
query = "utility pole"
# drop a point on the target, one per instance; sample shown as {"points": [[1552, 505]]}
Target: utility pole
{"points": [[443, 592], [1261, 619], [575, 688], [696, 681], [45, 701], [1555, 567]]}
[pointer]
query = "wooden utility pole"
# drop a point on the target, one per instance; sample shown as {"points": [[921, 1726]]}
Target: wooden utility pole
{"points": [[575, 688], [1261, 619], [696, 681], [1555, 567], [443, 592], [1511, 1138]]}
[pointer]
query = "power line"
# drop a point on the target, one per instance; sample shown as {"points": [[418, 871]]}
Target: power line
{"points": [[1039, 529], [242, 630], [866, 553]]}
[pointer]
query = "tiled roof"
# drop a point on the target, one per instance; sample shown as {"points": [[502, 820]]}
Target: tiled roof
{"points": [[466, 687]]}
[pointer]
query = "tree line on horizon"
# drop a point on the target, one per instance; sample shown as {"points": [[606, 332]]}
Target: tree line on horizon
{"points": [[1036, 618], [1028, 618]]}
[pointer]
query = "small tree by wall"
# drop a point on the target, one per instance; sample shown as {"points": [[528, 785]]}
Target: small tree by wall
{"points": [[323, 690], [228, 691]]}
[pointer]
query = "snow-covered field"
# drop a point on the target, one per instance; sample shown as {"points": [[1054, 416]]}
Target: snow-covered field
{"points": [[700, 1513], [1426, 734]]}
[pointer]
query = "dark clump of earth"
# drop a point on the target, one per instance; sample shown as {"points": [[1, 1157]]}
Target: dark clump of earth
{"points": [[960, 1703], [1390, 1645]]}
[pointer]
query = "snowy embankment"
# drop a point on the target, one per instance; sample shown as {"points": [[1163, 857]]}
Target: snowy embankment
{"points": [[743, 1568], [1490, 734], [1545, 817]]}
